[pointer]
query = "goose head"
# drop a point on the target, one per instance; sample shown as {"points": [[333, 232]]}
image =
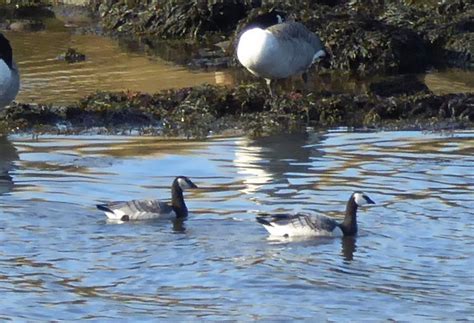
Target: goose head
{"points": [[266, 20], [361, 199], [184, 183]]}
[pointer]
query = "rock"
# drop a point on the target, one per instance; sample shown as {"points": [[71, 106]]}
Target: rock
{"points": [[202, 110], [72, 56]]}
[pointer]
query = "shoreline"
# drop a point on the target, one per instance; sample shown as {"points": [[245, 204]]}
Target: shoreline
{"points": [[390, 41], [207, 110]]}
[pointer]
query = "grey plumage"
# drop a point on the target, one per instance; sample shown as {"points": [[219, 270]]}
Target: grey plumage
{"points": [[314, 222], [138, 209], [151, 209], [298, 44], [280, 51], [316, 225], [9, 75]]}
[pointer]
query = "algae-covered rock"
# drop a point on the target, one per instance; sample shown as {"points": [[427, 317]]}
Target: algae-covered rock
{"points": [[72, 55], [205, 110], [172, 19], [363, 37]]}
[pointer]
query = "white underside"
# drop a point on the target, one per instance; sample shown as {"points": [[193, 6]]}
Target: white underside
{"points": [[118, 214], [302, 231]]}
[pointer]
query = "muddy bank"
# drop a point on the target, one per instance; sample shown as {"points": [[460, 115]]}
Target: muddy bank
{"points": [[364, 37], [208, 110]]}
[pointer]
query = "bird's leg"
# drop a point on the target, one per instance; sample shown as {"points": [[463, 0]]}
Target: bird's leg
{"points": [[307, 86], [305, 78], [269, 84]]}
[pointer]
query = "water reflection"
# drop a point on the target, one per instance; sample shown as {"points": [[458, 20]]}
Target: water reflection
{"points": [[8, 156], [349, 247], [59, 256], [107, 68], [271, 159], [113, 66], [179, 225]]}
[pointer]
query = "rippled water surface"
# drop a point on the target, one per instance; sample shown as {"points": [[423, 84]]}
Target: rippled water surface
{"points": [[412, 260]]}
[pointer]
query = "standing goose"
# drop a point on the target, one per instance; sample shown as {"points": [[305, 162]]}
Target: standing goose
{"points": [[279, 51], [151, 209], [9, 76], [288, 225]]}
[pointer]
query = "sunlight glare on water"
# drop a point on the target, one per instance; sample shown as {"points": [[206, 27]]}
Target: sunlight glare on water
{"points": [[412, 260]]}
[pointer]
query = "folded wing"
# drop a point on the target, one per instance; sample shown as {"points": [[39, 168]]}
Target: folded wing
{"points": [[137, 210], [298, 224]]}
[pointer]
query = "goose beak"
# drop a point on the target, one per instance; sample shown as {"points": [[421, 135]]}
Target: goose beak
{"points": [[369, 200], [192, 185]]}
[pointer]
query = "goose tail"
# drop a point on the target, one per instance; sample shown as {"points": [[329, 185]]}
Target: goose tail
{"points": [[263, 220], [110, 213], [104, 207]]}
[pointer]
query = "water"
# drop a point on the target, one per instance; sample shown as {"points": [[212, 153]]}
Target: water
{"points": [[412, 260], [111, 66], [108, 67]]}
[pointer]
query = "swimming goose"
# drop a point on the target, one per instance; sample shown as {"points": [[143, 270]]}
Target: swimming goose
{"points": [[9, 76], [289, 225], [151, 209], [279, 51]]}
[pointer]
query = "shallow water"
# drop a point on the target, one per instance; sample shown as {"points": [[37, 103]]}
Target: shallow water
{"points": [[112, 66], [108, 67], [412, 260]]}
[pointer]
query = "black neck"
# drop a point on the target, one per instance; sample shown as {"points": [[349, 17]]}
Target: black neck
{"points": [[349, 225], [177, 201], [6, 51]]}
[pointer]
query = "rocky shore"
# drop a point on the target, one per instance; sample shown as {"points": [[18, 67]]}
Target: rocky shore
{"points": [[246, 109], [391, 39], [364, 37]]}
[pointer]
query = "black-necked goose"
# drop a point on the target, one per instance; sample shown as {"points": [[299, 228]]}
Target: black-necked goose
{"points": [[279, 51], [9, 76], [290, 225], [151, 209]]}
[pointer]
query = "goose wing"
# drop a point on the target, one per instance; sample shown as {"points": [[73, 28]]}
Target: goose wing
{"points": [[300, 46], [296, 31], [298, 224], [136, 210]]}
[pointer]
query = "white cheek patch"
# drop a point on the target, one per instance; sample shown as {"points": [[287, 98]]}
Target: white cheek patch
{"points": [[183, 184], [320, 53], [359, 199]]}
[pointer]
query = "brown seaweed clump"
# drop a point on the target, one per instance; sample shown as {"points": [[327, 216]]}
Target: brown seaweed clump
{"points": [[206, 110]]}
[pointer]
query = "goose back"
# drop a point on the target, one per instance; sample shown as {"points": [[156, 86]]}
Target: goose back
{"points": [[279, 51], [300, 225]]}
